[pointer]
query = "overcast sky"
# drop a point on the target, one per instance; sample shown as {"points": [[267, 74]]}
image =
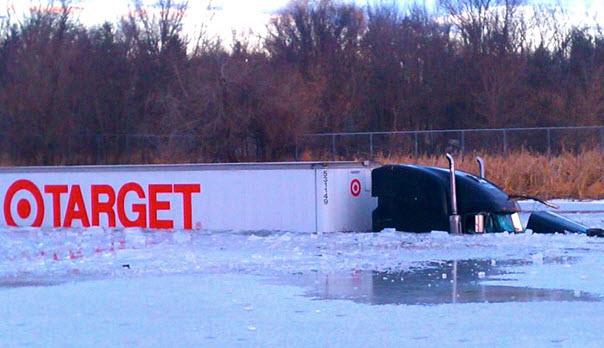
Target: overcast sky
{"points": [[248, 15]]}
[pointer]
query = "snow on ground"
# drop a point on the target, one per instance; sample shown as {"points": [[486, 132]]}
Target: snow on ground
{"points": [[131, 287]]}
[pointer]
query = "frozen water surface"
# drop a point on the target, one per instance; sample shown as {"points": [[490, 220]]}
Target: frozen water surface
{"points": [[130, 287]]}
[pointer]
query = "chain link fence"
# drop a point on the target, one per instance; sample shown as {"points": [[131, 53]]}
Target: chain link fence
{"points": [[96, 148], [544, 140]]}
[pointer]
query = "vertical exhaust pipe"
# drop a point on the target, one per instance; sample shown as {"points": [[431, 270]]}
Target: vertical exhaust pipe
{"points": [[481, 167], [454, 219]]}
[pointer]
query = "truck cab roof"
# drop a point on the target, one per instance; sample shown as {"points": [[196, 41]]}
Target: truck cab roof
{"points": [[421, 183]]}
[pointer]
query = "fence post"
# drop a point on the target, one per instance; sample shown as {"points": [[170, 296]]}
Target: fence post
{"points": [[68, 157], [505, 142], [416, 150], [463, 142], [333, 146], [98, 148], [13, 150], [549, 142], [296, 156], [127, 140], [371, 146]]}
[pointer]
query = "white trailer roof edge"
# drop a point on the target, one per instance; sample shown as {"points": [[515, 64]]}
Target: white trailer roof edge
{"points": [[194, 166]]}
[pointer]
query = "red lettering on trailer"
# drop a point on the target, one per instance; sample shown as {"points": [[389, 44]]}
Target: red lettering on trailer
{"points": [[156, 205], [76, 208], [56, 191], [132, 206], [140, 209], [103, 207], [187, 192]]}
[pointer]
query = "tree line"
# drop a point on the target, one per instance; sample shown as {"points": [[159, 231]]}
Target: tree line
{"points": [[71, 93]]}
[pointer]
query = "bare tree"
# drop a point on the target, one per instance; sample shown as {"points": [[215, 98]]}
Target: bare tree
{"points": [[141, 91], [323, 38]]}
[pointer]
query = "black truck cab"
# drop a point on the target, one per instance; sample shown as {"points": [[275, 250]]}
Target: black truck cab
{"points": [[419, 199]]}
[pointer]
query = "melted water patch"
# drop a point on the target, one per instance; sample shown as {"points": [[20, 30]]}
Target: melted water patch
{"points": [[435, 283]]}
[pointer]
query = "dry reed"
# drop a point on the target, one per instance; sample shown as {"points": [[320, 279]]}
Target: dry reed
{"points": [[567, 175]]}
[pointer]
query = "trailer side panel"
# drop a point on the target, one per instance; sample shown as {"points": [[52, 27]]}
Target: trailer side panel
{"points": [[285, 197]]}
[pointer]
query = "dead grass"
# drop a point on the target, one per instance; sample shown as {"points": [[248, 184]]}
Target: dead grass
{"points": [[566, 175]]}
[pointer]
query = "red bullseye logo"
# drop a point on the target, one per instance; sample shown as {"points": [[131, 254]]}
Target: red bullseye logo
{"points": [[355, 188], [24, 207]]}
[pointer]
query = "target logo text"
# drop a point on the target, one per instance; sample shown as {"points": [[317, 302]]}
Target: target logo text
{"points": [[128, 205]]}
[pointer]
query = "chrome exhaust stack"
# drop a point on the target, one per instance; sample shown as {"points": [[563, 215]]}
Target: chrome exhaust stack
{"points": [[481, 167], [454, 219]]}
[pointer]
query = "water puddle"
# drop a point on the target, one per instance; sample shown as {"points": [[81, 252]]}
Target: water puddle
{"points": [[434, 283], [29, 280], [27, 283]]}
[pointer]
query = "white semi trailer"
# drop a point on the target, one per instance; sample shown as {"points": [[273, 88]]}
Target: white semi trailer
{"points": [[300, 197]]}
